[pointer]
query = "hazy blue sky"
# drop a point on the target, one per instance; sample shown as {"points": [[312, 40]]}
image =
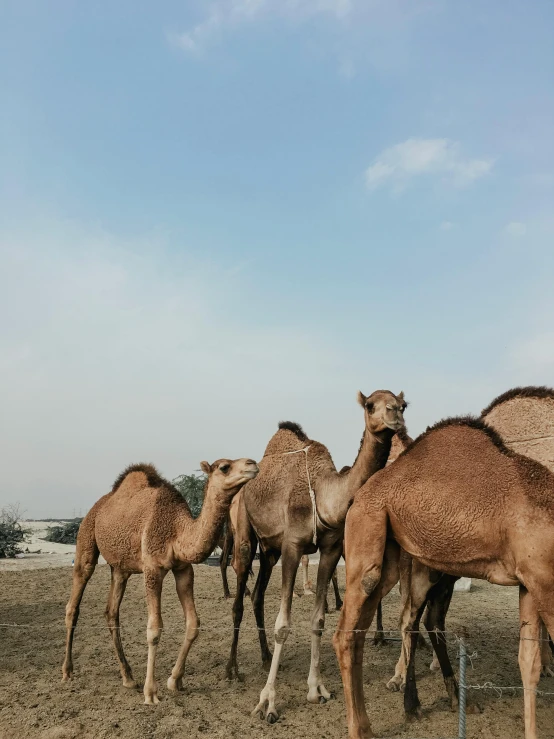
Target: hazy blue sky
{"points": [[217, 215]]}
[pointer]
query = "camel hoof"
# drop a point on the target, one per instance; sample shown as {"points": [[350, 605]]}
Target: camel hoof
{"points": [[415, 714], [232, 673], [151, 700], [129, 683], [68, 676], [547, 671], [394, 684], [271, 717], [380, 641], [473, 709], [434, 666], [175, 685]]}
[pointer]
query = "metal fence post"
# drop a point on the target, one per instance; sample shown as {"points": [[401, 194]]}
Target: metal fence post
{"points": [[462, 691]]}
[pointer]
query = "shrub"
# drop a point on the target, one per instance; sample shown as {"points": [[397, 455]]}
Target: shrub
{"points": [[191, 488], [12, 533], [65, 534]]}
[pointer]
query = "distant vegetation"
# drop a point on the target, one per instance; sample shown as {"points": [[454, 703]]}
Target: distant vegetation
{"points": [[64, 534], [191, 488], [12, 533]]}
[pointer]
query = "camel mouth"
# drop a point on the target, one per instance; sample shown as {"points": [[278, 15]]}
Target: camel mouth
{"points": [[251, 474], [395, 426]]}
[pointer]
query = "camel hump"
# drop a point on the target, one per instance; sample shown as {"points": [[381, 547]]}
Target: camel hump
{"points": [[153, 477], [531, 391], [289, 437], [524, 418], [296, 429]]}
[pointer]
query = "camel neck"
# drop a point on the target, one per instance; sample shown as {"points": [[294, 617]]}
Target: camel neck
{"points": [[373, 455], [335, 495], [196, 538]]}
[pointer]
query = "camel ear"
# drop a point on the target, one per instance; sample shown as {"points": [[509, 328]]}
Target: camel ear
{"points": [[401, 395], [361, 398], [206, 467]]}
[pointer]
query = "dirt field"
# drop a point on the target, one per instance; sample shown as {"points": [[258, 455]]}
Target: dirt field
{"points": [[34, 702]]}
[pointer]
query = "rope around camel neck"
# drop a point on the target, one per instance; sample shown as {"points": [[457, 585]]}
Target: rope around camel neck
{"points": [[315, 517]]}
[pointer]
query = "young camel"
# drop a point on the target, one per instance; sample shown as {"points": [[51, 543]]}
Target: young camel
{"points": [[459, 502], [278, 512], [144, 525], [524, 418]]}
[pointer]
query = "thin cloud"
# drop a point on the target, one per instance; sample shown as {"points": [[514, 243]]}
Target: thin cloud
{"points": [[397, 165], [224, 16]]}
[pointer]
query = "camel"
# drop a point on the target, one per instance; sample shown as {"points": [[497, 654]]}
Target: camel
{"points": [[524, 418], [226, 544], [458, 502], [279, 513], [144, 526]]}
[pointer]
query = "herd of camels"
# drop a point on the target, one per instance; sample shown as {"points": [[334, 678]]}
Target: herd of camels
{"points": [[470, 497]]}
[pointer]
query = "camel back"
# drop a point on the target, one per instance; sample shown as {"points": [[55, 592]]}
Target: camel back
{"points": [[524, 418]]}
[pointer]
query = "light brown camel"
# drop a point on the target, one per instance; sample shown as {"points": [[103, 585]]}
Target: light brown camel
{"points": [[144, 525], [459, 502], [524, 418], [279, 510]]}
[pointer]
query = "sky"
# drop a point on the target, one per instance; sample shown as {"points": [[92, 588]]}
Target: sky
{"points": [[221, 214]]}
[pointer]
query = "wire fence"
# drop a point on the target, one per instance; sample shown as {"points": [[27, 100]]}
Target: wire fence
{"points": [[450, 637]]}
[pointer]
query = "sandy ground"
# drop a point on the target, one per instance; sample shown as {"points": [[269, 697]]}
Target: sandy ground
{"points": [[34, 703]]}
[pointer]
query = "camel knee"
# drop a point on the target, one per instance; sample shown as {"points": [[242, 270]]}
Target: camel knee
{"points": [[371, 579], [318, 624], [238, 610], [154, 632]]}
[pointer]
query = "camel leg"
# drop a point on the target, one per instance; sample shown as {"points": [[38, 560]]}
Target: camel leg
{"points": [[338, 599], [224, 558], [415, 584], [267, 563], [153, 581], [242, 561], [379, 638], [546, 653], [437, 608], [317, 692], [117, 591], [366, 583], [529, 657], [86, 558], [306, 582], [266, 705], [184, 583]]}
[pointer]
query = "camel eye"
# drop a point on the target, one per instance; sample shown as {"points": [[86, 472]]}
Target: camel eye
{"points": [[404, 407], [389, 407], [225, 468]]}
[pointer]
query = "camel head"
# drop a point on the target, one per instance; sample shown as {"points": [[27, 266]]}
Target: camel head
{"points": [[383, 410], [229, 474]]}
